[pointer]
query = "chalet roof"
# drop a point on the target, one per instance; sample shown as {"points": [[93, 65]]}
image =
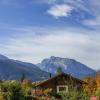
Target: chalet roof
{"points": [[58, 75]]}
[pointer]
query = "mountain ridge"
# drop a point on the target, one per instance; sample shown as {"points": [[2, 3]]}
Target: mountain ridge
{"points": [[69, 66], [13, 69]]}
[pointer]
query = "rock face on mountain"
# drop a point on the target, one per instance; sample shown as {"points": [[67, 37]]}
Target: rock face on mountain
{"points": [[69, 66], [13, 69]]}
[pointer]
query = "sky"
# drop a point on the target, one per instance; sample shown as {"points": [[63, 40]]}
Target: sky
{"points": [[31, 30]]}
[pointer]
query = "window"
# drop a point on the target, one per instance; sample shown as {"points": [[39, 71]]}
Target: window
{"points": [[62, 88]]}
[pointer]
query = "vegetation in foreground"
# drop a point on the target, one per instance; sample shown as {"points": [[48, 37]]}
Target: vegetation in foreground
{"points": [[24, 90]]}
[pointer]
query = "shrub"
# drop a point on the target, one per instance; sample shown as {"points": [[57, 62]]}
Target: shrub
{"points": [[15, 92], [74, 95], [98, 94]]}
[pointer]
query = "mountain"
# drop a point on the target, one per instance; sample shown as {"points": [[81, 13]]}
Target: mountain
{"points": [[69, 66], [13, 69], [2, 57]]}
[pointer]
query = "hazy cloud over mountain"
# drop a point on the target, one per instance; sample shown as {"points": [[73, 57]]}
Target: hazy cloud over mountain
{"points": [[35, 29]]}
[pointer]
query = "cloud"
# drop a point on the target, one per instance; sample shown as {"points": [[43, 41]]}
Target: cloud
{"points": [[35, 43], [93, 22], [94, 6], [33, 46], [79, 4], [61, 10], [88, 8]]}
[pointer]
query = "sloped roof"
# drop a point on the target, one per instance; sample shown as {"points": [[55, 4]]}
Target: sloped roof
{"points": [[58, 75]]}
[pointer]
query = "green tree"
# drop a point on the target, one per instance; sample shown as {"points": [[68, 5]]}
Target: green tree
{"points": [[15, 92], [23, 77], [59, 70]]}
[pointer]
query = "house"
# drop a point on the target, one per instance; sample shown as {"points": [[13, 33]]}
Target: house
{"points": [[60, 83]]}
